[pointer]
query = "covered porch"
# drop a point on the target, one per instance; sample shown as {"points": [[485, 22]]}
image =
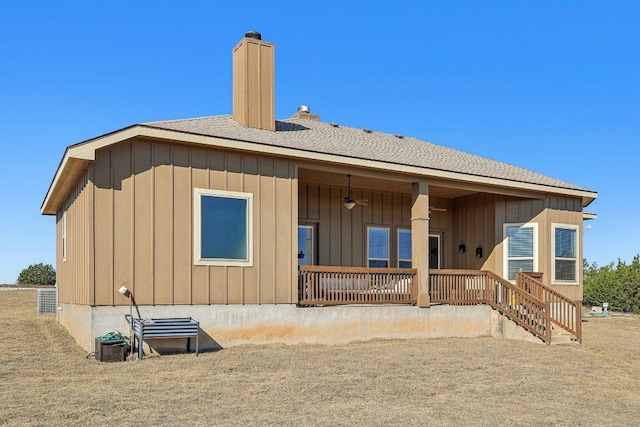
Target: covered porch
{"points": [[366, 237], [398, 221], [364, 219], [527, 302]]}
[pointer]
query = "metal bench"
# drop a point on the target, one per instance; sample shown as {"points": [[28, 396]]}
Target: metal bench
{"points": [[181, 327]]}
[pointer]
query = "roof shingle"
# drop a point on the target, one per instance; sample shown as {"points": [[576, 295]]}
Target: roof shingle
{"points": [[326, 138]]}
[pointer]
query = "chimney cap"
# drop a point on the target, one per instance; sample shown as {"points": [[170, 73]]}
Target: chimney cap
{"points": [[304, 109], [253, 35]]}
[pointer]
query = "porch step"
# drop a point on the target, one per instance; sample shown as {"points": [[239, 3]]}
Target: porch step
{"points": [[561, 337]]}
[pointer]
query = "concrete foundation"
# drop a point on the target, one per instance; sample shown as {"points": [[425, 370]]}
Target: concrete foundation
{"points": [[231, 325]]}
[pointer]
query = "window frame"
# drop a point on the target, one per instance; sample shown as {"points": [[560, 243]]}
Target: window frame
{"points": [[554, 258], [398, 259], [505, 252], [388, 259], [198, 193], [64, 235]]}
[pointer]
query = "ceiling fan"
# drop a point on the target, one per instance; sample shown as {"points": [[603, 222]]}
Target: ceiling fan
{"points": [[349, 201]]}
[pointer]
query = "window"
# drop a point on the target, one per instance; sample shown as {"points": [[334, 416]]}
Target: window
{"points": [[521, 249], [306, 244], [378, 247], [223, 228], [404, 248], [565, 253], [64, 236]]}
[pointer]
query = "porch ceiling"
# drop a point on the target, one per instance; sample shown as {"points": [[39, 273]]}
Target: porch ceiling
{"points": [[370, 183]]}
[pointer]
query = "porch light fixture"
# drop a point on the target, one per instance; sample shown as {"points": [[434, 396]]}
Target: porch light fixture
{"points": [[462, 249], [478, 252], [349, 204]]}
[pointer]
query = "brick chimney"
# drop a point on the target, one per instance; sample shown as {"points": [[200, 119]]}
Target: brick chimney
{"points": [[254, 82]]}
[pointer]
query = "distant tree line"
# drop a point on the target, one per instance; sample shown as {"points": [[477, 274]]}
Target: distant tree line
{"points": [[618, 284]]}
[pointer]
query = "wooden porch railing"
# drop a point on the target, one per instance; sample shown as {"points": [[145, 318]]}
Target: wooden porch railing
{"points": [[564, 312], [468, 287], [324, 285]]}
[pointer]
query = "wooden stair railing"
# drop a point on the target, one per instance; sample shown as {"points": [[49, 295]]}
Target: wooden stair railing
{"points": [[467, 287], [523, 308], [564, 312]]}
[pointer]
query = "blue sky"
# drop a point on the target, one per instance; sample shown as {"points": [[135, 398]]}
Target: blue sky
{"points": [[550, 86]]}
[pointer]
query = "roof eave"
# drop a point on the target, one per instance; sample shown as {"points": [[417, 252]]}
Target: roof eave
{"points": [[77, 157], [74, 162]]}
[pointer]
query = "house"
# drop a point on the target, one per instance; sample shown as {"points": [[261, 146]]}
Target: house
{"points": [[299, 230]]}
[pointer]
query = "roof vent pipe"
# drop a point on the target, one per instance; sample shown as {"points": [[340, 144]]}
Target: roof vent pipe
{"points": [[254, 35], [304, 112]]}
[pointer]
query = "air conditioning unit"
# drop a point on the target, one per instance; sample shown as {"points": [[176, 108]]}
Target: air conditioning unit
{"points": [[47, 301]]}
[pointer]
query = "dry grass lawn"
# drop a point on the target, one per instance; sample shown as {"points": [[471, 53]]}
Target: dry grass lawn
{"points": [[45, 379]]}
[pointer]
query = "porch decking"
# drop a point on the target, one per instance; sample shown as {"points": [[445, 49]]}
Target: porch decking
{"points": [[528, 302]]}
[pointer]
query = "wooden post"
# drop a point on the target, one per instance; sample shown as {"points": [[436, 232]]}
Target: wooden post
{"points": [[547, 309], [578, 316], [420, 239]]}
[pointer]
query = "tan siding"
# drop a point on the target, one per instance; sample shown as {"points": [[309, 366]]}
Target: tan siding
{"points": [[200, 275], [544, 212], [143, 223], [342, 225], [293, 232], [251, 184], [324, 227], [284, 242], [474, 226], [303, 202], [267, 253], [163, 225], [377, 209], [387, 208], [335, 226], [569, 211], [122, 185], [357, 250], [313, 201], [103, 228], [143, 207], [500, 219], [489, 240], [74, 273], [182, 226]]}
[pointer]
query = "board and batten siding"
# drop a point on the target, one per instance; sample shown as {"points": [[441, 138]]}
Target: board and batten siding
{"points": [[562, 210], [143, 229], [75, 271], [545, 212], [341, 233], [474, 227]]}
